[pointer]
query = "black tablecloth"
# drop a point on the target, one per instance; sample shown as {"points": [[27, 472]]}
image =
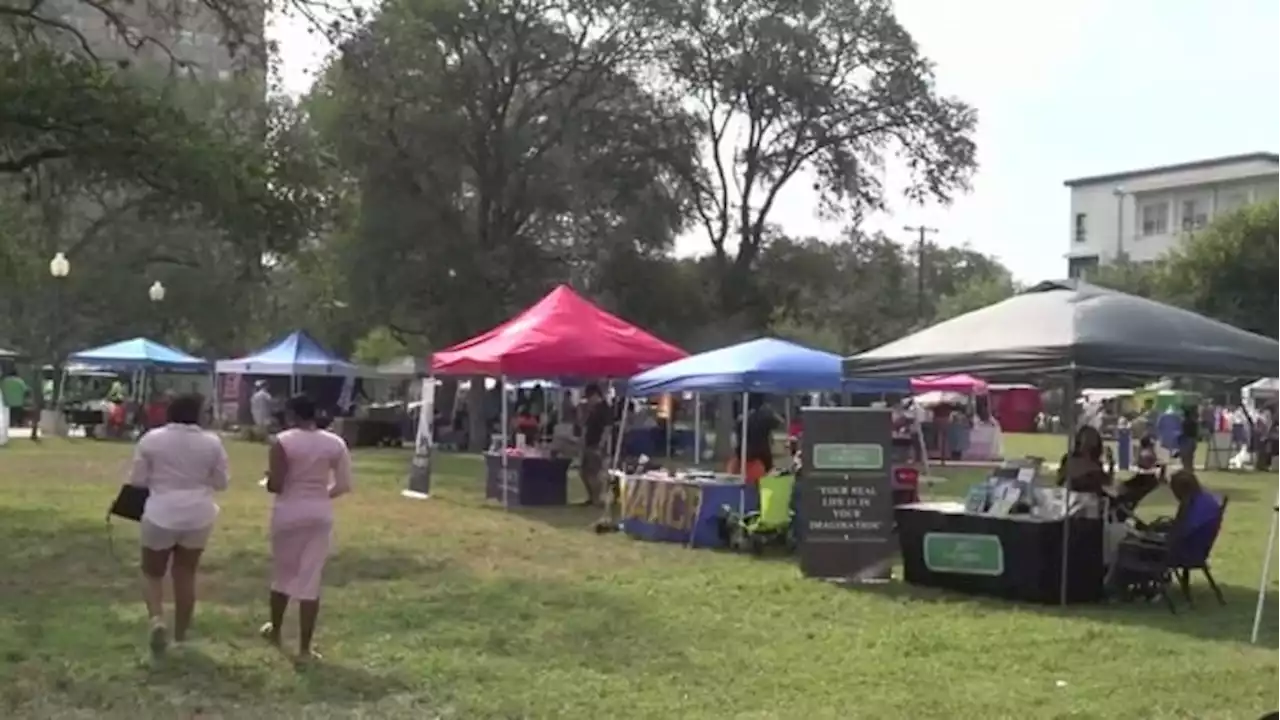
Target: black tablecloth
{"points": [[1031, 555]]}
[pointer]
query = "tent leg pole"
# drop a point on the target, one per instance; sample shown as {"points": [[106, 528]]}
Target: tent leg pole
{"points": [[1266, 574], [1069, 414], [742, 442], [697, 429], [502, 447]]}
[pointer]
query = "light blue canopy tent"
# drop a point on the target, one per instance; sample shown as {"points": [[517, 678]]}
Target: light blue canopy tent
{"points": [[765, 365], [139, 354], [296, 354], [140, 357]]}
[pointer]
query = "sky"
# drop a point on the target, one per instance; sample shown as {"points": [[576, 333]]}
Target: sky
{"points": [[1063, 90]]}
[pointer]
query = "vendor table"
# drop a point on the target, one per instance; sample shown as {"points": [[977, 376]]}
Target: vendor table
{"points": [[530, 481], [673, 509], [1015, 557], [368, 432]]}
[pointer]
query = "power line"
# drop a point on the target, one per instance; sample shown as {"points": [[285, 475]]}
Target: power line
{"points": [[923, 233]]}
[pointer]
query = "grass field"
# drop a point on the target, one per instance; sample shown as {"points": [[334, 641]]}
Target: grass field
{"points": [[450, 608]]}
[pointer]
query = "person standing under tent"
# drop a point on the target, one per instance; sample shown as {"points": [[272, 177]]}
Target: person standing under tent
{"points": [[14, 391], [1189, 437], [308, 468], [261, 406], [597, 421], [762, 423]]}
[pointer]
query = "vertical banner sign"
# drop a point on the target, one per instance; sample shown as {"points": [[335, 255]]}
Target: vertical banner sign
{"points": [[420, 469], [846, 494]]}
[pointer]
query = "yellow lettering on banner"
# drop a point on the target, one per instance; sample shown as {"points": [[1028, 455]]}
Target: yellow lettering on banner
{"points": [[637, 505], [658, 502], [676, 510], [692, 506]]}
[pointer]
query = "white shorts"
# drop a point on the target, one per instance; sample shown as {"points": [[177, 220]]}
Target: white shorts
{"points": [[155, 537]]}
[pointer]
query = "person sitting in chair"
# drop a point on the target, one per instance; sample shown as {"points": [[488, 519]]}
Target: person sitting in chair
{"points": [[1185, 538], [1194, 525]]}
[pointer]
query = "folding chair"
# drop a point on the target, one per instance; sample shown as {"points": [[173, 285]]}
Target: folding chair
{"points": [[1146, 567], [1184, 560]]}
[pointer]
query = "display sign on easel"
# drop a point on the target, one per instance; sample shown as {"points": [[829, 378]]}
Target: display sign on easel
{"points": [[846, 494], [420, 467]]}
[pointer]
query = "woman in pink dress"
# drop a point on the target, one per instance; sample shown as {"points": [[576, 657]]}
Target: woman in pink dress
{"points": [[307, 468]]}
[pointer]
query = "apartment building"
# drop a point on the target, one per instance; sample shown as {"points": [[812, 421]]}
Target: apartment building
{"points": [[1142, 214]]}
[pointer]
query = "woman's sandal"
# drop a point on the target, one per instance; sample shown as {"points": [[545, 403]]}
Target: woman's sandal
{"points": [[267, 632]]}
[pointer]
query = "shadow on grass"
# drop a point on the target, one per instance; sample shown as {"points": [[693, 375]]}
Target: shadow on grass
{"points": [[60, 561], [317, 681], [48, 551], [1205, 619]]}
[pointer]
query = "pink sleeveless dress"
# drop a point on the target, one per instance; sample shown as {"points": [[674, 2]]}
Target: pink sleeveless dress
{"points": [[302, 517]]}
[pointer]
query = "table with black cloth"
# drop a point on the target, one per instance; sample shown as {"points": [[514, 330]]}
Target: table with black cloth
{"points": [[530, 481], [1016, 557]]}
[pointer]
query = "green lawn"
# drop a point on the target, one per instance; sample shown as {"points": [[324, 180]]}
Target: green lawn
{"points": [[449, 608]]}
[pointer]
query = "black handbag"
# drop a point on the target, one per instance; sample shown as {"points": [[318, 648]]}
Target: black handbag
{"points": [[130, 502]]}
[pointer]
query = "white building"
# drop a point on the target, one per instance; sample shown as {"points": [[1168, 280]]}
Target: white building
{"points": [[1144, 213]]}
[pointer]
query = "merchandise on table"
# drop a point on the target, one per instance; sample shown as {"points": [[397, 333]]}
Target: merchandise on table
{"points": [[1006, 540]]}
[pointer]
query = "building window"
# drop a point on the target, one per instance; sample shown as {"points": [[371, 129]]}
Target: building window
{"points": [[1080, 235], [1194, 216], [1155, 218], [1082, 267], [1232, 200]]}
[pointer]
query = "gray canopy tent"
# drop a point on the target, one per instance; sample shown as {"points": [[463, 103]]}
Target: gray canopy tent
{"points": [[1063, 330], [1066, 327]]}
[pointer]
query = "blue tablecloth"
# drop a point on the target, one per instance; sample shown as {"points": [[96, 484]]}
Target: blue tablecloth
{"points": [[669, 510]]}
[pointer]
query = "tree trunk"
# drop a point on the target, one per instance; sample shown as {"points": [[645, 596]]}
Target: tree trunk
{"points": [[478, 425]]}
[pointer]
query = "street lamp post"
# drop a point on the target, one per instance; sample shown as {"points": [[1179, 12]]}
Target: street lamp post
{"points": [[59, 269]]}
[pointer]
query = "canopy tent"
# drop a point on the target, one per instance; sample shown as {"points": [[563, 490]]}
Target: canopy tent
{"points": [[296, 354], [563, 335], [1262, 389], [1072, 326], [948, 384], [138, 354], [765, 365], [8, 354]]}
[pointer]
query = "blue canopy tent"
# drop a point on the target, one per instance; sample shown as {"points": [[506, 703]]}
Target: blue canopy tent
{"points": [[764, 365], [296, 354], [139, 354], [140, 357]]}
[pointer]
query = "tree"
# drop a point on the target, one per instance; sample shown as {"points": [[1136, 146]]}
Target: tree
{"points": [[497, 145], [856, 293], [1228, 270], [1144, 279], [786, 87], [976, 293]]}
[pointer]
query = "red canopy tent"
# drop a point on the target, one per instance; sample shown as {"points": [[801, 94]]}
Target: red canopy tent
{"points": [[563, 335]]}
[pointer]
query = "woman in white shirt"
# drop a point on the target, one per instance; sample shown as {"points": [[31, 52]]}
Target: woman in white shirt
{"points": [[183, 466]]}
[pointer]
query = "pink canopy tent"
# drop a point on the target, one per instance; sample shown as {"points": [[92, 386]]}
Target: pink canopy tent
{"points": [[948, 383], [562, 335]]}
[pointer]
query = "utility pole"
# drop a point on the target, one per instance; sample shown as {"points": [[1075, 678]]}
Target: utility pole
{"points": [[920, 247]]}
